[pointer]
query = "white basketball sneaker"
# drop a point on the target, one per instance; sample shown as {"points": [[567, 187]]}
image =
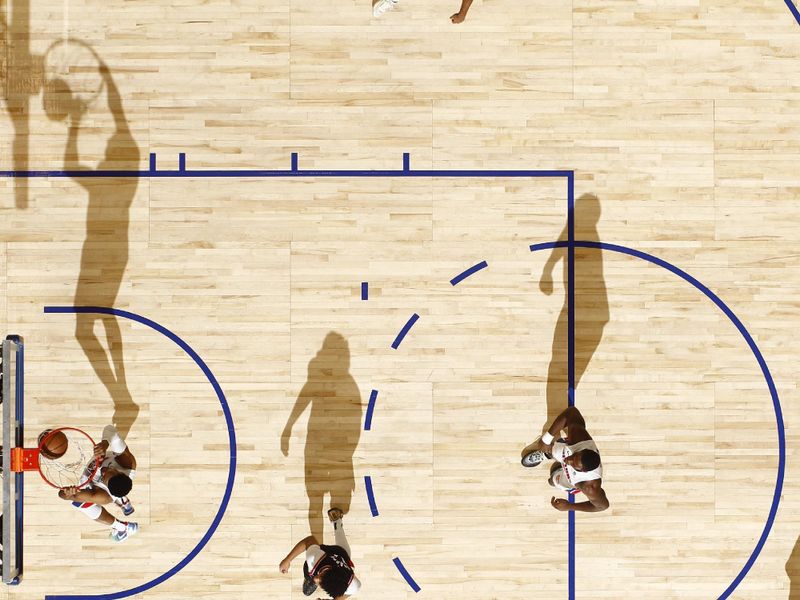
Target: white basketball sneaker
{"points": [[130, 529], [533, 459], [383, 6]]}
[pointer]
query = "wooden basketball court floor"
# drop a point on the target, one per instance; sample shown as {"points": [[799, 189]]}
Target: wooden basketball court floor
{"points": [[681, 123]]}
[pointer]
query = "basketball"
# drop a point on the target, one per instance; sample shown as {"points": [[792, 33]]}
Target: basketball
{"points": [[52, 445]]}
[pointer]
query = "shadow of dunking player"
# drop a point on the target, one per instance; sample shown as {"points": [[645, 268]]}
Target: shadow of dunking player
{"points": [[793, 571], [334, 428], [591, 307], [104, 255]]}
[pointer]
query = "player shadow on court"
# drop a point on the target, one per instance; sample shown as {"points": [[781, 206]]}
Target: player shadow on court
{"points": [[793, 571], [591, 307], [104, 255], [334, 428]]}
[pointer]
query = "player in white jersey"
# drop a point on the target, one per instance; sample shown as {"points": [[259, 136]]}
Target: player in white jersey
{"points": [[110, 483], [577, 467]]}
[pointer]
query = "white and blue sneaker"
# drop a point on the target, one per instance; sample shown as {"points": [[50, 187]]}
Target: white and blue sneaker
{"points": [[383, 6], [125, 505], [533, 459], [120, 536]]}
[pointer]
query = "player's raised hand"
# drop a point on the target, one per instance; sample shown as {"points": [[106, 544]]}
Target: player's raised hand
{"points": [[559, 504], [284, 566], [100, 450], [68, 493]]}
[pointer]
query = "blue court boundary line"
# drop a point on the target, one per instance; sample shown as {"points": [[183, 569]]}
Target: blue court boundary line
{"points": [[776, 498], [793, 10], [410, 580], [231, 439]]}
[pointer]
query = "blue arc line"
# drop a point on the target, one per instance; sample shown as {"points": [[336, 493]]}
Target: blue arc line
{"points": [[231, 440], [471, 271], [373, 508], [413, 319], [794, 10], [776, 498], [373, 396], [406, 576]]}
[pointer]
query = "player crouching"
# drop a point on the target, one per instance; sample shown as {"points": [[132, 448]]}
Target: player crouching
{"points": [[110, 483]]}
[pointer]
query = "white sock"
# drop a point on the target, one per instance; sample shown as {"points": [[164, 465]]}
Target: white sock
{"points": [[119, 526]]}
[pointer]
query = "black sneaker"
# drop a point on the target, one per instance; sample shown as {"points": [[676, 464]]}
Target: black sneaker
{"points": [[309, 587]]}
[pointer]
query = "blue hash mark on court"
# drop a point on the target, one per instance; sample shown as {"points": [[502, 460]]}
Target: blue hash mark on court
{"points": [[410, 580], [404, 331], [471, 271], [373, 508]]}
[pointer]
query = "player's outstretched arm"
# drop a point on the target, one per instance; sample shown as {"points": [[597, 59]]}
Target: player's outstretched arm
{"points": [[298, 549], [462, 12], [73, 494]]}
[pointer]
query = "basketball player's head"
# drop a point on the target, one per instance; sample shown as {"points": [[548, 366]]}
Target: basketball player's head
{"points": [[585, 460], [119, 484], [334, 581]]}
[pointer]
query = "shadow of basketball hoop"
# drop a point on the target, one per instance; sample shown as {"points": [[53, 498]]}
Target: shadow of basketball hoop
{"points": [[334, 428]]}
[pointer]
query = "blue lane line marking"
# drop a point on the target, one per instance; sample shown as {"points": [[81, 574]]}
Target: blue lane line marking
{"points": [[406, 161], [365, 290], [571, 364], [462, 276], [373, 508], [231, 441], [794, 10], [404, 330], [776, 497], [373, 396], [294, 162], [406, 576], [245, 173], [182, 161]]}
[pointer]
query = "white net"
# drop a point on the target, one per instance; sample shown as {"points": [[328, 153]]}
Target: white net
{"points": [[77, 463]]}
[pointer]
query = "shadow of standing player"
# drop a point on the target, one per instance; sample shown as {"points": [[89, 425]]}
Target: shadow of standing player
{"points": [[334, 428], [104, 255], [591, 306], [793, 571]]}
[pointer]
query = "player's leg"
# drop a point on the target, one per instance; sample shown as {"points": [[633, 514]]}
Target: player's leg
{"points": [[120, 530], [336, 515]]}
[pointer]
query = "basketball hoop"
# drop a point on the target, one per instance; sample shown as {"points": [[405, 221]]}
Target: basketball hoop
{"points": [[71, 78], [64, 458]]}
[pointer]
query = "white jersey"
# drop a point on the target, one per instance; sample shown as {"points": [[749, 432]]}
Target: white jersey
{"points": [[97, 479], [566, 478]]}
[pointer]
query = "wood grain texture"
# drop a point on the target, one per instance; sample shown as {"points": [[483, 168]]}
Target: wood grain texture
{"points": [[680, 120]]}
